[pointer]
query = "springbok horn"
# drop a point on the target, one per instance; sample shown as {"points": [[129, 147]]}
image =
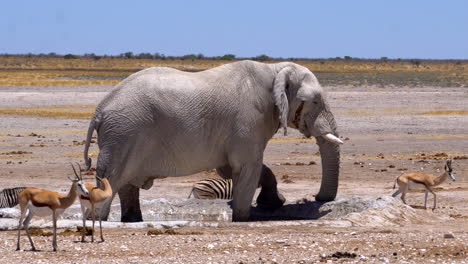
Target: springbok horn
{"points": [[76, 174], [79, 167], [333, 139], [448, 164], [99, 178]]}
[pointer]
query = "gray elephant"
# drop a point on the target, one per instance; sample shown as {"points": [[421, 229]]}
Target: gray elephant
{"points": [[162, 122]]}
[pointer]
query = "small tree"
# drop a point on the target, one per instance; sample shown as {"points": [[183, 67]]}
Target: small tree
{"points": [[228, 57], [144, 55], [189, 57], [158, 56], [127, 55], [416, 62], [262, 57], [70, 56]]}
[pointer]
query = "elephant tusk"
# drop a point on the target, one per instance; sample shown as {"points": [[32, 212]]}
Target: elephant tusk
{"points": [[333, 139]]}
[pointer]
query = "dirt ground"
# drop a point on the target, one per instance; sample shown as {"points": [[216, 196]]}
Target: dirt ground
{"points": [[387, 131]]}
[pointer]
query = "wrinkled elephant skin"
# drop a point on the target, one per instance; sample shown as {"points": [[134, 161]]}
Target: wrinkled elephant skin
{"points": [[161, 122]]}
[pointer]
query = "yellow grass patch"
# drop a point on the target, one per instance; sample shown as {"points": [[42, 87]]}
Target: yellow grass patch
{"points": [[68, 131], [91, 154], [48, 112], [71, 106], [401, 111], [55, 77], [443, 136], [448, 112], [431, 155], [136, 64], [22, 71]]}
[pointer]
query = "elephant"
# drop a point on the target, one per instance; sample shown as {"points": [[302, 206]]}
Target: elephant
{"points": [[162, 122]]}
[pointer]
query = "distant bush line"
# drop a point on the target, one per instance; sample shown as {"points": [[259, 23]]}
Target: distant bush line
{"points": [[229, 57]]}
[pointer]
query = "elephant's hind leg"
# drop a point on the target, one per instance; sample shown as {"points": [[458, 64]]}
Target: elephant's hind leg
{"points": [[130, 203], [225, 172], [245, 183], [269, 197]]}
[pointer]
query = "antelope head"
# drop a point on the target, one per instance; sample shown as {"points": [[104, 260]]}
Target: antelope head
{"points": [[448, 169], [78, 181]]}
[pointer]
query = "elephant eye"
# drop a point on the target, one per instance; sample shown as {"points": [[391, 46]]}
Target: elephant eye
{"points": [[315, 102]]}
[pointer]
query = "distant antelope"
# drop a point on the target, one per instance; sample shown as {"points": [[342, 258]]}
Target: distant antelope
{"points": [[9, 197], [427, 180], [95, 199], [44, 202]]}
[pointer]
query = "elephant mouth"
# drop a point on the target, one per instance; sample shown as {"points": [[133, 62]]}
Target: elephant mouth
{"points": [[297, 116]]}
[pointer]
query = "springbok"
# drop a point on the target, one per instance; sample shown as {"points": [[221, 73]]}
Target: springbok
{"points": [[42, 202], [422, 179], [95, 199]]}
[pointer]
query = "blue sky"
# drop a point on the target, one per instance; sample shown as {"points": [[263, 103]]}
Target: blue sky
{"points": [[314, 29]]}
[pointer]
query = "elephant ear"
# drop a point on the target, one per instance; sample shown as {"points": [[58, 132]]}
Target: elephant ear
{"points": [[280, 97]]}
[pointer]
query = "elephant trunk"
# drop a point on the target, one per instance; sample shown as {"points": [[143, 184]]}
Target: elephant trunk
{"points": [[330, 156]]}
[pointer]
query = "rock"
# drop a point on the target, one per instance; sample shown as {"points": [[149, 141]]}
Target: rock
{"points": [[384, 260], [448, 235], [10, 213]]}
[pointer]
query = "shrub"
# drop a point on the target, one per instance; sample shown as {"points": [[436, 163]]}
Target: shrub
{"points": [[262, 57], [228, 57], [70, 56]]}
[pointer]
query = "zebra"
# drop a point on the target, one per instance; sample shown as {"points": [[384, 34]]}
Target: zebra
{"points": [[212, 189], [9, 197]]}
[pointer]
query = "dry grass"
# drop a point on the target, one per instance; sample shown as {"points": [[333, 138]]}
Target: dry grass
{"points": [[79, 154], [23, 63], [430, 155], [401, 111], [71, 106], [49, 112], [448, 112], [22, 71], [56, 77], [442, 136]]}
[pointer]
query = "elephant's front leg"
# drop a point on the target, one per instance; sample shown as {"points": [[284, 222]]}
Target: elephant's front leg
{"points": [[244, 184], [269, 197], [130, 204]]}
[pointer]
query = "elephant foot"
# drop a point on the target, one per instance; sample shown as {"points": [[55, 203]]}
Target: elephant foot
{"points": [[270, 200], [130, 204], [132, 217], [240, 215]]}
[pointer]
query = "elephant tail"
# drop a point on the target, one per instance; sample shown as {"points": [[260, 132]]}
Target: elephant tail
{"points": [[91, 129]]}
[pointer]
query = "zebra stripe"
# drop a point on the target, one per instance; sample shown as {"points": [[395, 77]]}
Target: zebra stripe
{"points": [[212, 189], [9, 197]]}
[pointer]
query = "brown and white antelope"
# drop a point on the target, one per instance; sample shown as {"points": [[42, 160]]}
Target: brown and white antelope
{"points": [[95, 199], [405, 181], [42, 202]]}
